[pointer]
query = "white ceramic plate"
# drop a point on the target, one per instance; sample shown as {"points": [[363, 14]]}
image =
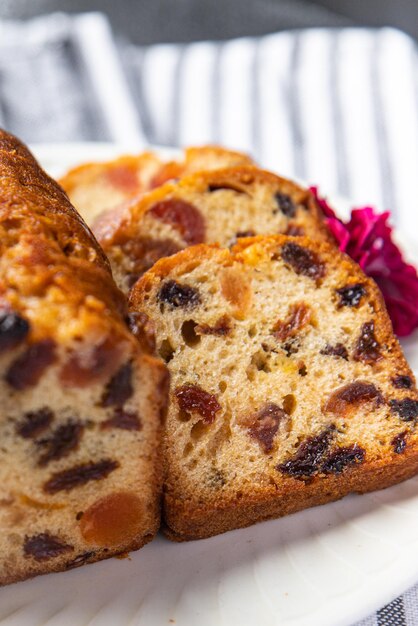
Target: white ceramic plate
{"points": [[331, 565]]}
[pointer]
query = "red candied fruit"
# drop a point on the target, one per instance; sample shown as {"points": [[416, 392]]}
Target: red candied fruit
{"points": [[194, 399]]}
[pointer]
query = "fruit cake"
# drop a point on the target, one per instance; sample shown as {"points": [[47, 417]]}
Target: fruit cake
{"points": [[95, 187], [82, 399], [288, 386], [206, 207]]}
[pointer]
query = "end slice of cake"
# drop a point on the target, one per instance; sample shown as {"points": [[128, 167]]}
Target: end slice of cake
{"points": [[288, 386]]}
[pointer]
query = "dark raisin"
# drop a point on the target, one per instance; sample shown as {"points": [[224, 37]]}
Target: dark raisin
{"points": [[402, 382], [28, 368], [126, 420], [177, 295], [351, 294], [13, 330], [309, 456], [338, 350], [222, 327], [143, 328], [44, 546], [80, 475], [407, 409], [182, 216], [119, 389], [367, 348], [194, 399], [227, 186], [352, 395], [294, 231], [303, 261], [338, 460], [399, 442], [299, 315], [63, 440], [245, 233], [266, 424], [35, 422], [285, 204], [81, 559]]}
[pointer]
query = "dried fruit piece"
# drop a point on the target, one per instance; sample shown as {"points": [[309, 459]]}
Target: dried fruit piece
{"points": [[183, 216], [367, 348], [124, 178], [63, 440], [126, 420], [351, 295], [113, 520], [309, 456], [236, 289], [28, 368], [222, 327], [45, 546], [97, 365], [337, 350], [119, 389], [299, 316], [266, 424], [399, 442], [244, 233], [349, 397], [13, 330], [80, 475], [342, 457], [407, 408], [35, 422], [303, 261], [285, 204], [402, 382], [194, 399], [176, 295], [294, 231]]}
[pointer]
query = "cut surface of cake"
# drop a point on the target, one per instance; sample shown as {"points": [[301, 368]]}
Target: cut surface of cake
{"points": [[96, 187], [288, 386], [207, 207], [81, 400]]}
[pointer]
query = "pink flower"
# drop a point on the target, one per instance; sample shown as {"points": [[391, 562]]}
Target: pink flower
{"points": [[367, 238]]}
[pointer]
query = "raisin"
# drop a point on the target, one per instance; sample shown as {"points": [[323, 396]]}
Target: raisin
{"points": [[244, 233], [100, 364], [44, 546], [143, 328], [294, 231], [182, 216], [35, 422], [177, 295], [80, 475], [338, 350], [266, 424], [299, 315], [338, 460], [222, 327], [126, 420], [28, 368], [228, 186], [192, 398], [402, 382], [399, 442], [13, 330], [63, 440], [407, 409], [352, 395], [367, 348], [351, 294], [285, 204], [303, 261], [309, 456], [119, 389]]}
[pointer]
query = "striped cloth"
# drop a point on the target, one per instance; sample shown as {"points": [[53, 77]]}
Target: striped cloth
{"points": [[338, 108]]}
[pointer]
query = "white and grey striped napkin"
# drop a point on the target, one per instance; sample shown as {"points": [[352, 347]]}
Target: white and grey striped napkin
{"points": [[337, 108]]}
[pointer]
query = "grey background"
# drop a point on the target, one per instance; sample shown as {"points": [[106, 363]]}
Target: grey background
{"points": [[150, 21]]}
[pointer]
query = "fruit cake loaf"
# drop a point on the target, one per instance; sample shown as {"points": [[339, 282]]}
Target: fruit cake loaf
{"points": [[206, 207], [95, 187], [81, 401], [288, 386]]}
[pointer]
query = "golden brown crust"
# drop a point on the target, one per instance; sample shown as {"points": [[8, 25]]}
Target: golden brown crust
{"points": [[196, 514]]}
